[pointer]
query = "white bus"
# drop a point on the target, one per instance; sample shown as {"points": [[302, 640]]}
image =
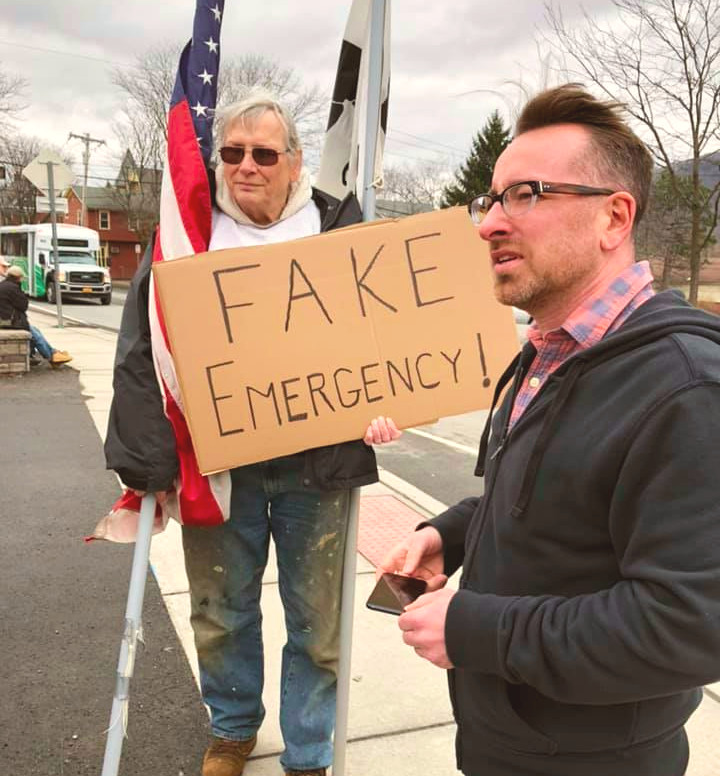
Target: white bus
{"points": [[30, 247]]}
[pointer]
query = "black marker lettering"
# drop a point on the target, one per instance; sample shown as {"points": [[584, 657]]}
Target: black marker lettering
{"points": [[415, 272], [217, 399], [417, 369], [360, 282], [221, 294], [486, 379], [318, 389], [355, 391], [310, 292], [405, 379], [289, 397], [270, 394], [367, 382], [452, 362]]}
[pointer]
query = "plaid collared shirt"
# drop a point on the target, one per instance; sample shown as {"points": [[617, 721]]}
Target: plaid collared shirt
{"points": [[584, 327]]}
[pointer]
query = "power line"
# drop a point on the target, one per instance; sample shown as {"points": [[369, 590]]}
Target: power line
{"points": [[424, 147], [67, 54], [433, 142]]}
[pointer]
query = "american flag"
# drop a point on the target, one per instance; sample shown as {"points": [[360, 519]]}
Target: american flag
{"points": [[184, 229], [185, 224]]}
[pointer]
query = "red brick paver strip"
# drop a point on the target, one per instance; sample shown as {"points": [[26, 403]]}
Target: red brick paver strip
{"points": [[384, 521]]}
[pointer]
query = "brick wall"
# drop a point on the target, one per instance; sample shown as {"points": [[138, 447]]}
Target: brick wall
{"points": [[14, 351]]}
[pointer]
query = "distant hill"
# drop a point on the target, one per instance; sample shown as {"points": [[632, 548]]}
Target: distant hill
{"points": [[709, 174], [709, 169]]}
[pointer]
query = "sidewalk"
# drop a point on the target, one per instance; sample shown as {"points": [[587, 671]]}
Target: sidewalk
{"points": [[400, 720]]}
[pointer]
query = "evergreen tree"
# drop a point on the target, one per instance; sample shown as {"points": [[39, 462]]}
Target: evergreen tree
{"points": [[475, 176]]}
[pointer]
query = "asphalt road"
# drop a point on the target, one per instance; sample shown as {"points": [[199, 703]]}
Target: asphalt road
{"points": [[87, 310], [61, 597]]}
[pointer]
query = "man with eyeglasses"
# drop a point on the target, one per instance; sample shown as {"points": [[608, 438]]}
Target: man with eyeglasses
{"points": [[588, 614], [262, 195]]}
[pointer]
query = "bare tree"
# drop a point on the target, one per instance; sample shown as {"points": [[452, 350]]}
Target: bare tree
{"points": [[664, 235], [11, 92], [419, 186], [147, 88], [661, 58], [17, 194], [139, 180]]}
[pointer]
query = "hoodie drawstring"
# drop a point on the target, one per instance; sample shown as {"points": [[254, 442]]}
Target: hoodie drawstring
{"points": [[546, 430]]}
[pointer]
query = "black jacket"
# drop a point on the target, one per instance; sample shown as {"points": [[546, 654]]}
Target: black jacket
{"points": [[140, 444], [13, 305], [589, 608]]}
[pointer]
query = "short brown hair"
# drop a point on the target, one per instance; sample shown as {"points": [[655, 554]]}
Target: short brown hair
{"points": [[618, 155]]}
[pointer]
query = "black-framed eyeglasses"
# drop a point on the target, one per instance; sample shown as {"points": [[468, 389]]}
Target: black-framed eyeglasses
{"points": [[519, 198], [264, 157]]}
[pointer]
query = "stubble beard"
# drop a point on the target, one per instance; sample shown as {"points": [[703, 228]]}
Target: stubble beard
{"points": [[535, 293], [518, 293]]}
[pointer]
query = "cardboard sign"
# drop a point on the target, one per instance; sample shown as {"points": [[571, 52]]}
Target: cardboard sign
{"points": [[286, 347]]}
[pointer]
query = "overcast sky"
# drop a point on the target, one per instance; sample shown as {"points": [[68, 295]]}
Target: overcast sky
{"points": [[440, 51]]}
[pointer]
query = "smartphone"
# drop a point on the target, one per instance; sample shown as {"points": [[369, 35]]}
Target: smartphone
{"points": [[393, 593]]}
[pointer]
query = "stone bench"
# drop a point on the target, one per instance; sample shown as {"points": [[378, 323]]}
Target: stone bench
{"points": [[14, 351]]}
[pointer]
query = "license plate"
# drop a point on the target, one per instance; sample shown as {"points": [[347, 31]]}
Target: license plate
{"points": [[87, 290]]}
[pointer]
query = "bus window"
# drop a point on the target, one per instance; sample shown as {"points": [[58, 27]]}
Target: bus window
{"points": [[41, 259], [14, 245]]}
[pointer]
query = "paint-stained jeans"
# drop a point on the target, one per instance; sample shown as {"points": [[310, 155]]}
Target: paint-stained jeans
{"points": [[225, 565]]}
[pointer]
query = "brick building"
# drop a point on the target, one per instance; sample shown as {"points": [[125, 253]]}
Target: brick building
{"points": [[120, 244], [123, 214]]}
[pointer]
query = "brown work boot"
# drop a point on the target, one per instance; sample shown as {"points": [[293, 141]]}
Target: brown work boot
{"points": [[227, 758], [59, 357], [311, 772]]}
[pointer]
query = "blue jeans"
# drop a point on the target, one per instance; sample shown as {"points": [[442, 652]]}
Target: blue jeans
{"points": [[39, 343], [225, 565]]}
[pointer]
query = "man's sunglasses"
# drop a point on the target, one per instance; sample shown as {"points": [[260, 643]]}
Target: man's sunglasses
{"points": [[264, 157]]}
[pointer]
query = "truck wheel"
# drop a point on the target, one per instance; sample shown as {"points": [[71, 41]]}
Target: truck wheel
{"points": [[106, 298], [50, 291]]}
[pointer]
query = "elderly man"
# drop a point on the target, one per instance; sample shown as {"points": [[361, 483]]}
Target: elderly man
{"points": [[588, 614], [263, 195], [4, 266], [13, 315]]}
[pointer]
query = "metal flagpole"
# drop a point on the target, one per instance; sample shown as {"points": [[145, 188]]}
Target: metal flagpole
{"points": [[56, 255], [347, 604], [131, 636], [374, 98]]}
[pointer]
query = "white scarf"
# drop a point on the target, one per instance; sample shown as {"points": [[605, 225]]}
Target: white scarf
{"points": [[300, 194]]}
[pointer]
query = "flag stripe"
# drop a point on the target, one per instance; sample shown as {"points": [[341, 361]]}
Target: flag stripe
{"points": [[189, 178]]}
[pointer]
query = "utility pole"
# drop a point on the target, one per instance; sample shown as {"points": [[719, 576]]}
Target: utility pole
{"points": [[86, 160]]}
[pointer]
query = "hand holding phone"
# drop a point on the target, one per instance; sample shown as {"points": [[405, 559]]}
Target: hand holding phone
{"points": [[393, 592]]}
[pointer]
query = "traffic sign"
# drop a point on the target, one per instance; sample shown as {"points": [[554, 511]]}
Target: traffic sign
{"points": [[37, 171], [42, 205]]}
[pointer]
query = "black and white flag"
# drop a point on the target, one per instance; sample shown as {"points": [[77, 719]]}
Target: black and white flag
{"points": [[346, 144]]}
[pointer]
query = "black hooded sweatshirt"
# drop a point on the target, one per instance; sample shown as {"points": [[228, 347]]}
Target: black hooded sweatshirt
{"points": [[589, 608]]}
